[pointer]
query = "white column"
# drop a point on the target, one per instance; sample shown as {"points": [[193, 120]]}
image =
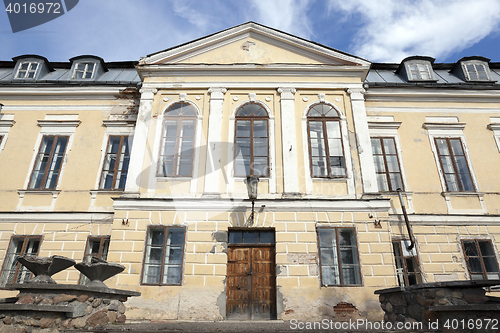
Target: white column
{"points": [[289, 141], [366, 161], [140, 138], [212, 173]]}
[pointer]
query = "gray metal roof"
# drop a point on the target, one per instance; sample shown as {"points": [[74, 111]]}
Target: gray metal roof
{"points": [[386, 75], [115, 73]]}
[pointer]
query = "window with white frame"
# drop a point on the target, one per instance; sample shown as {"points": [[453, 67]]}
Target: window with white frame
{"points": [[454, 165], [12, 270], [252, 141], [177, 152], [339, 262], [476, 71], [163, 255], [116, 161], [451, 154], [84, 70], [48, 163], [387, 166], [419, 71], [326, 152], [27, 70]]}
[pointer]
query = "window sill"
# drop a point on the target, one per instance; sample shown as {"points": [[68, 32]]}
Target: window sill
{"points": [[325, 179], [172, 178], [52, 192], [463, 194]]}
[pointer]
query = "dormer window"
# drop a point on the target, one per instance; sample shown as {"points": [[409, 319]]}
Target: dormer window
{"points": [[419, 71], [416, 69], [84, 70], [27, 70], [475, 71]]}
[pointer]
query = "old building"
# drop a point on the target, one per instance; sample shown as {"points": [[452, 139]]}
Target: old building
{"points": [[146, 164]]}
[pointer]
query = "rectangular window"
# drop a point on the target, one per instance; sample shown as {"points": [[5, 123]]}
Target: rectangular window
{"points": [[176, 158], [116, 161], [481, 260], [476, 72], [454, 165], [419, 72], [97, 247], [163, 256], [387, 164], [84, 70], [48, 163], [14, 272], [339, 260], [407, 268], [327, 153], [27, 70]]}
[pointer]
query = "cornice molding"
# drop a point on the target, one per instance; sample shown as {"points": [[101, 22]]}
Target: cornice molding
{"points": [[285, 205], [7, 123], [494, 126], [58, 123], [119, 123], [249, 30], [432, 95], [11, 93], [444, 126], [56, 217], [394, 125]]}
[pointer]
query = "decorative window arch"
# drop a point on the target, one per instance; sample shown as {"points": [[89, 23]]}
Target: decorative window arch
{"points": [[178, 138], [252, 141], [326, 152]]}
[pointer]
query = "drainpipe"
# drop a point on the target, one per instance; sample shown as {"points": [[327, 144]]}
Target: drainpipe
{"points": [[408, 226]]}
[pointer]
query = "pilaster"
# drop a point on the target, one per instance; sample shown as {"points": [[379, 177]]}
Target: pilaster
{"points": [[138, 151], [289, 141], [366, 161], [212, 173]]}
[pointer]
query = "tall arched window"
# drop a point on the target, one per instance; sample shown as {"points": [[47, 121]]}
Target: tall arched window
{"points": [[326, 153], [252, 144], [176, 155]]}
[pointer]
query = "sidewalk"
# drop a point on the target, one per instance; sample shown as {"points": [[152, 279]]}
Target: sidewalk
{"points": [[175, 326]]}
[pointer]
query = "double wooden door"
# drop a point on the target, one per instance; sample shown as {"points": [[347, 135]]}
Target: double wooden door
{"points": [[251, 283]]}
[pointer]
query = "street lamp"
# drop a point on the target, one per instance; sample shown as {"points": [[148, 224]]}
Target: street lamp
{"points": [[252, 183]]}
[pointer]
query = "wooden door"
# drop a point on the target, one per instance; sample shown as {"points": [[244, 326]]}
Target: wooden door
{"points": [[251, 283]]}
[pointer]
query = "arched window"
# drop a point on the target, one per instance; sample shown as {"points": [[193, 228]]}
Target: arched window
{"points": [[252, 144], [326, 153], [176, 155]]}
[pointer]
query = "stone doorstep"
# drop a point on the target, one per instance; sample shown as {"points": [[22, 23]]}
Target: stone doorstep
{"points": [[468, 307], [36, 307]]}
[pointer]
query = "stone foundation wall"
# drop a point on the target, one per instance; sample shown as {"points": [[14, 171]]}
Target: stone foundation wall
{"points": [[84, 311]]}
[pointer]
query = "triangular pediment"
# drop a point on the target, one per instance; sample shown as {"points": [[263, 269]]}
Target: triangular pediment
{"points": [[252, 43]]}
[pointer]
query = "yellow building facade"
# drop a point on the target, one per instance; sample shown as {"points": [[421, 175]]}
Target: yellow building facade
{"points": [[145, 164]]}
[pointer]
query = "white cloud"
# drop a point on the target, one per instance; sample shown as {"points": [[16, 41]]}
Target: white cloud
{"points": [[285, 15], [394, 29]]}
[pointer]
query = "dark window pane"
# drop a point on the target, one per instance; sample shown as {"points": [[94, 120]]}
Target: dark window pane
{"points": [[267, 237], [235, 237], [251, 237]]}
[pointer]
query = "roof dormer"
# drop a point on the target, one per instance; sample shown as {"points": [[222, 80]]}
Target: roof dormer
{"points": [[417, 69], [86, 68], [473, 69], [31, 67]]}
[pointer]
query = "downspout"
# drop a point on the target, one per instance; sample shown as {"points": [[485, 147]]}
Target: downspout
{"points": [[408, 226]]}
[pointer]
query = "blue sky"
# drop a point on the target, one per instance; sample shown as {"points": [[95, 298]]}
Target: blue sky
{"points": [[377, 30]]}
